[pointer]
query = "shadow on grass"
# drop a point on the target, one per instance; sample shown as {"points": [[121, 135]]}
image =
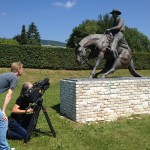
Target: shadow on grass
{"points": [[39, 132], [57, 108]]}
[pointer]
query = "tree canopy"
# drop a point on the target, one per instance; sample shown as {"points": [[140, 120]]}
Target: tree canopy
{"points": [[33, 35], [8, 41], [30, 37], [136, 40], [87, 27]]}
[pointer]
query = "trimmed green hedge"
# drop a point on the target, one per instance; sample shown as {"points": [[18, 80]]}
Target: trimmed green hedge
{"points": [[141, 60], [53, 58], [38, 57]]}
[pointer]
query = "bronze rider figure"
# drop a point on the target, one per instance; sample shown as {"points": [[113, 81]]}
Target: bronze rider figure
{"points": [[117, 31]]}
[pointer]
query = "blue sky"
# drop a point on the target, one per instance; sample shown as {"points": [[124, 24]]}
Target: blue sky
{"points": [[55, 19]]}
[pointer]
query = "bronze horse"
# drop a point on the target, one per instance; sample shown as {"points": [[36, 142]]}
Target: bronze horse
{"points": [[98, 44]]}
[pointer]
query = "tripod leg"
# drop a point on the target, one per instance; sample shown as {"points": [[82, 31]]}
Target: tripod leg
{"points": [[48, 121], [32, 123]]}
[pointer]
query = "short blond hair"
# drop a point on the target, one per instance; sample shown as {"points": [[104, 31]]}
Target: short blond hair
{"points": [[16, 66]]}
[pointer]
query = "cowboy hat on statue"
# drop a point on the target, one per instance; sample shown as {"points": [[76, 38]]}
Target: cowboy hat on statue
{"points": [[115, 11]]}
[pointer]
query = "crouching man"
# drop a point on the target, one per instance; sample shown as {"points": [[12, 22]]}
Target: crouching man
{"points": [[19, 119]]}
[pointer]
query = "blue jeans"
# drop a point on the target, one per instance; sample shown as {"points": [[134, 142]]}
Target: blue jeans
{"points": [[3, 129], [16, 131]]}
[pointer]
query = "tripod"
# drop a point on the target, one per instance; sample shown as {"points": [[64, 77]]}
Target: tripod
{"points": [[34, 119]]}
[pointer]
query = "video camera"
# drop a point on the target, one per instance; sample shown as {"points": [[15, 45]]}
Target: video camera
{"points": [[34, 96], [38, 90]]}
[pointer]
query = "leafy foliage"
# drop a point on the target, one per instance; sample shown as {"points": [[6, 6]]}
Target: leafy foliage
{"points": [[8, 41], [31, 37], [87, 27], [104, 22], [54, 58], [23, 36], [136, 40]]}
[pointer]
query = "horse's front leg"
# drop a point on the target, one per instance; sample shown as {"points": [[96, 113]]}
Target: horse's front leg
{"points": [[98, 61]]}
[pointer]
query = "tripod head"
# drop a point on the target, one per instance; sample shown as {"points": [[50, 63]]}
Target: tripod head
{"points": [[39, 88]]}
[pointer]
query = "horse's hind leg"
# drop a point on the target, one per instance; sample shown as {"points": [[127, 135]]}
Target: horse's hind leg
{"points": [[108, 65], [112, 70], [100, 72], [117, 64]]}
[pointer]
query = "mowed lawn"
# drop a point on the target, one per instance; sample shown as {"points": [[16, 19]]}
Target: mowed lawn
{"points": [[132, 133]]}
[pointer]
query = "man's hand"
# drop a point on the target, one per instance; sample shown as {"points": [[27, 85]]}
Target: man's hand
{"points": [[108, 30], [30, 110], [4, 116]]}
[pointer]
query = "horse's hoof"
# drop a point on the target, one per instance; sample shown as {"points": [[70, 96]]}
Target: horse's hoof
{"points": [[103, 76], [90, 77], [95, 76]]}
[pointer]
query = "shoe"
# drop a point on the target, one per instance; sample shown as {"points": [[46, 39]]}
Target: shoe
{"points": [[115, 54]]}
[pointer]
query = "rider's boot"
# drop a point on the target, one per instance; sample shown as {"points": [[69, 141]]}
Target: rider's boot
{"points": [[115, 54]]}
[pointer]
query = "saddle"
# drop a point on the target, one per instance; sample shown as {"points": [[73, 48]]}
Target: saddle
{"points": [[122, 44]]}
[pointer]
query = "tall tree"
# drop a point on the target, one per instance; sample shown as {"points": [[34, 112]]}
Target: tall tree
{"points": [[23, 36], [17, 38], [104, 22], [87, 27], [33, 35]]}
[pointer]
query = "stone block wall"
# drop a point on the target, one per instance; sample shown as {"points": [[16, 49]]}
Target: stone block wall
{"points": [[88, 100]]}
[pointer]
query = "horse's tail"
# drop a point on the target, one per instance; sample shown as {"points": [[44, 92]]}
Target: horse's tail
{"points": [[132, 70]]}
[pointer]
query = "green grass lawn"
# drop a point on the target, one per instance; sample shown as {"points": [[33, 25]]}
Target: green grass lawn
{"points": [[123, 134]]}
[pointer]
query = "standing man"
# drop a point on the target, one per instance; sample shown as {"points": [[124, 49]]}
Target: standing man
{"points": [[117, 31], [8, 82]]}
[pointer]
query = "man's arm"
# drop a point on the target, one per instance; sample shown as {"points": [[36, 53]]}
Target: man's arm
{"points": [[6, 102], [16, 110]]}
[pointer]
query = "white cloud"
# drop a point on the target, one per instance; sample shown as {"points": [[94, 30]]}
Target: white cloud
{"points": [[58, 4], [68, 4]]}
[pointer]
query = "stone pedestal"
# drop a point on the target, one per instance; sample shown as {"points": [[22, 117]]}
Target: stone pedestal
{"points": [[87, 100]]}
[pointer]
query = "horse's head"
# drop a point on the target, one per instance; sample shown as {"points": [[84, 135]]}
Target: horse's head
{"points": [[80, 54]]}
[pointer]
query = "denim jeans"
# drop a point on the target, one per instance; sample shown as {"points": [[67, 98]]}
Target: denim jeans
{"points": [[3, 129], [15, 130]]}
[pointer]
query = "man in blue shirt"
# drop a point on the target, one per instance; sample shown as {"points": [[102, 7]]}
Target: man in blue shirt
{"points": [[8, 82]]}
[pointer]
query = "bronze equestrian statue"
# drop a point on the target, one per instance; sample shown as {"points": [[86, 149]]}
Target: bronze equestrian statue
{"points": [[103, 45], [98, 44]]}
